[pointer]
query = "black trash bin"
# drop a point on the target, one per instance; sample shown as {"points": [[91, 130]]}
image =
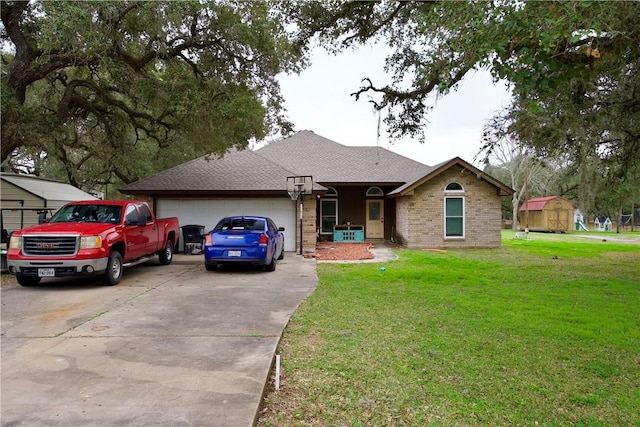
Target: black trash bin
{"points": [[3, 249], [192, 236], [3, 258]]}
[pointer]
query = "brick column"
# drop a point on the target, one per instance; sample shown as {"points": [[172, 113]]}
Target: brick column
{"points": [[308, 224]]}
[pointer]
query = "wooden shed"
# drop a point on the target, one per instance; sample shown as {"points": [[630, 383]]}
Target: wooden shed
{"points": [[549, 213], [24, 196]]}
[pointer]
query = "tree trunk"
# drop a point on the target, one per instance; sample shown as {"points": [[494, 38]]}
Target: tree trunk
{"points": [[514, 214]]}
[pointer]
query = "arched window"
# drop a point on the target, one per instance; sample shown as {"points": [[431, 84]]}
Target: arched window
{"points": [[454, 186], [374, 191], [331, 192], [454, 211]]}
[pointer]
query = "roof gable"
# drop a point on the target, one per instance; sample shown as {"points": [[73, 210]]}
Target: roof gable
{"points": [[502, 189]]}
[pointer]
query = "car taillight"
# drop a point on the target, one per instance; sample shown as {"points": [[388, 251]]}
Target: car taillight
{"points": [[207, 240], [263, 239]]}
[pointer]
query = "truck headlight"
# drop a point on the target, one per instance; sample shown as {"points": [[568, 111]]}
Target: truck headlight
{"points": [[90, 242], [15, 242]]}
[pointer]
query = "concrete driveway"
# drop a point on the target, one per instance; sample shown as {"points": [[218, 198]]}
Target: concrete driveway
{"points": [[169, 346]]}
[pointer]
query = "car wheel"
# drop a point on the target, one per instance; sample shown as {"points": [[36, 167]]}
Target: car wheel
{"points": [[281, 255], [166, 255], [114, 269], [272, 265], [211, 267], [27, 281]]}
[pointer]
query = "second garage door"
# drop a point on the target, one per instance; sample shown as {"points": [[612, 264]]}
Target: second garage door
{"points": [[207, 212]]}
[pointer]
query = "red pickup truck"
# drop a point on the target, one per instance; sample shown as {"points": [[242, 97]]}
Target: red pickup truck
{"points": [[92, 237]]}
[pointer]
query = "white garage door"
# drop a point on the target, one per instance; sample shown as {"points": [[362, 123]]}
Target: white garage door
{"points": [[208, 212]]}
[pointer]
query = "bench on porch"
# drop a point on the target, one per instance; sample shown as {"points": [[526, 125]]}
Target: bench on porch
{"points": [[348, 233]]}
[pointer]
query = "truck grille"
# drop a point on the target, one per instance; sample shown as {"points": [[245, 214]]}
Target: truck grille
{"points": [[49, 245]]}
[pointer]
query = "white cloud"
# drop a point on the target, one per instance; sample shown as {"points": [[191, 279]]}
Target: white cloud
{"points": [[319, 99]]}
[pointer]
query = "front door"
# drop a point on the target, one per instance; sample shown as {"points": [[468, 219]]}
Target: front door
{"points": [[375, 219]]}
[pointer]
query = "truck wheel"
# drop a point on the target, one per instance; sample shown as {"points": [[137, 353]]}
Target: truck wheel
{"points": [[166, 255], [27, 281], [114, 269]]}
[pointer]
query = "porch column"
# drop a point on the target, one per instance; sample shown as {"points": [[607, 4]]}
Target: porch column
{"points": [[308, 224]]}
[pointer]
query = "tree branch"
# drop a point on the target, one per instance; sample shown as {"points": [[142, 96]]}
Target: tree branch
{"points": [[11, 13], [71, 98], [365, 35]]}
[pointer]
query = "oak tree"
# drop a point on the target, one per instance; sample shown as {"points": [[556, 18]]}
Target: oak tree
{"points": [[119, 89], [572, 66]]}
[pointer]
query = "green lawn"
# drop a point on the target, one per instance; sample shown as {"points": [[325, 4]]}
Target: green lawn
{"points": [[539, 332]]}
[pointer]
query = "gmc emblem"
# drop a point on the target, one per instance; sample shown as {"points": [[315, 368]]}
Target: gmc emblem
{"points": [[46, 245]]}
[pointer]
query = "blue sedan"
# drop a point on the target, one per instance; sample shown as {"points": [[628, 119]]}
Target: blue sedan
{"points": [[244, 239]]}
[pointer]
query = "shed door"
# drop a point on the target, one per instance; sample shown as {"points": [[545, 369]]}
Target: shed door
{"points": [[558, 217]]}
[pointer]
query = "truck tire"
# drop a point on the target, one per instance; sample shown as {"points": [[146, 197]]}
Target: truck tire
{"points": [[27, 281], [166, 255], [114, 269]]}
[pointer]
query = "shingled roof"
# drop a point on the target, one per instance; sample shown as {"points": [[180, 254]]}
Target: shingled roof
{"points": [[330, 162], [266, 169], [237, 171]]}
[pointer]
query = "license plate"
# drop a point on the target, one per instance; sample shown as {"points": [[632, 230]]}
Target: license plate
{"points": [[234, 253], [46, 272]]}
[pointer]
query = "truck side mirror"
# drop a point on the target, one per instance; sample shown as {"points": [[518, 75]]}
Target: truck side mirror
{"points": [[42, 217], [140, 219]]}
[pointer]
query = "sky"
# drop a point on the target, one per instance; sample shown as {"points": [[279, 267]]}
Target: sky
{"points": [[319, 100]]}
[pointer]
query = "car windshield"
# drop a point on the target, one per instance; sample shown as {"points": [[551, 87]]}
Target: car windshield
{"points": [[108, 214], [240, 224]]}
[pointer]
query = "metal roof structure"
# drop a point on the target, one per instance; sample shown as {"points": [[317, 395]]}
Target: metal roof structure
{"points": [[46, 189]]}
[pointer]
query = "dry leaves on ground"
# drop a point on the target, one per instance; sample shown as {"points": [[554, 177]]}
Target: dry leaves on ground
{"points": [[8, 280]]}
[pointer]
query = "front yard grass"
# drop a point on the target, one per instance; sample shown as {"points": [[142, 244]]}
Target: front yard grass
{"points": [[541, 332]]}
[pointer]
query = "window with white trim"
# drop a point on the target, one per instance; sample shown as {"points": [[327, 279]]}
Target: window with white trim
{"points": [[453, 216]]}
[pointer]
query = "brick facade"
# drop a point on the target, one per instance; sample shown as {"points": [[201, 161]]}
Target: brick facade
{"points": [[308, 224], [420, 216]]}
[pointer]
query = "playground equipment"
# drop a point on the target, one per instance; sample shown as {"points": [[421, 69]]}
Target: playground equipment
{"points": [[602, 224], [580, 226], [578, 219]]}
